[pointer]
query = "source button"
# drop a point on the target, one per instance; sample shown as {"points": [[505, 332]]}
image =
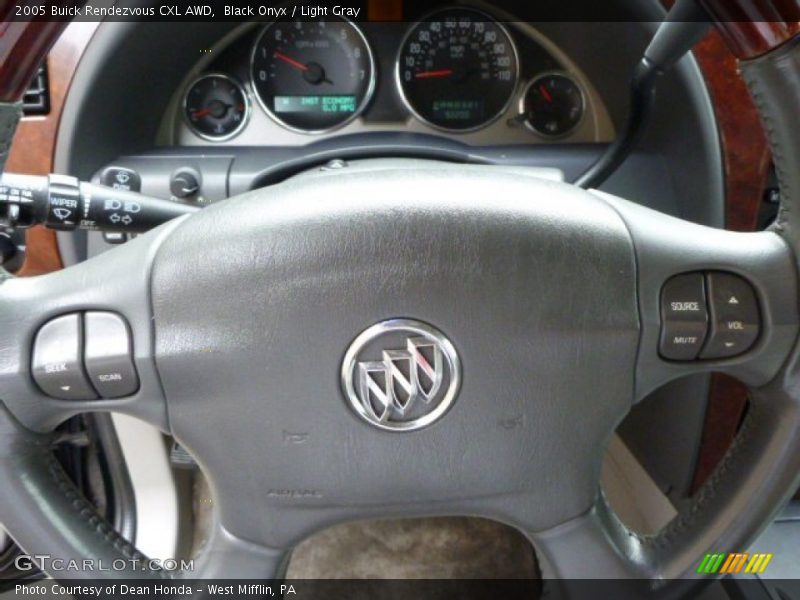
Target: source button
{"points": [[684, 317]]}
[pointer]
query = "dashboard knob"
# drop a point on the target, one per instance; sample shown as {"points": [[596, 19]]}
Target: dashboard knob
{"points": [[184, 183]]}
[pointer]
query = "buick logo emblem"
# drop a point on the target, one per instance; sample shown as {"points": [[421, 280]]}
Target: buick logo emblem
{"points": [[401, 374]]}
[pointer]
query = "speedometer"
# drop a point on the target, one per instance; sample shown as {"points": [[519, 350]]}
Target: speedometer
{"points": [[313, 76], [458, 69]]}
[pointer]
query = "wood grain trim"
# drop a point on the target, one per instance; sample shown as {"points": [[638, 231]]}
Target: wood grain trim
{"points": [[385, 10], [754, 27], [745, 150], [22, 46], [727, 404], [33, 148], [747, 159]]}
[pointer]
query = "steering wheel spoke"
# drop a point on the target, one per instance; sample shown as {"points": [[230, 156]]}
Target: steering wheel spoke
{"points": [[709, 299], [226, 556], [756, 477], [81, 340]]}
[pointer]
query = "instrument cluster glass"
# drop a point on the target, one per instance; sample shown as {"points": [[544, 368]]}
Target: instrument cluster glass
{"points": [[313, 76], [553, 105], [216, 107], [456, 70]]}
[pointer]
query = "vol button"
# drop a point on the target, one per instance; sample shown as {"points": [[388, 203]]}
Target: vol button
{"points": [[735, 319]]}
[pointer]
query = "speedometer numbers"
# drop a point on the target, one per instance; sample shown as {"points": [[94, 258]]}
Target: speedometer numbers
{"points": [[458, 70], [313, 76]]}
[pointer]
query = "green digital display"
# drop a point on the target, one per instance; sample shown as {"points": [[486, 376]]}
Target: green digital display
{"points": [[315, 104], [447, 111]]}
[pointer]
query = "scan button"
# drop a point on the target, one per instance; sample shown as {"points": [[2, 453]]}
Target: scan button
{"points": [[109, 355]]}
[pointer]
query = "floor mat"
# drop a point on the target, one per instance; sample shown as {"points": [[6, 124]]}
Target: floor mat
{"points": [[433, 548], [452, 548]]}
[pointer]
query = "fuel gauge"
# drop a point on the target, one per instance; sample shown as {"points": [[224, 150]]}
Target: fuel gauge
{"points": [[216, 107], [552, 105]]}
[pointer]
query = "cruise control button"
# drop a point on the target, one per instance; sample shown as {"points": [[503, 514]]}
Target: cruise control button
{"points": [[57, 367], [684, 317], [108, 355], [735, 319]]}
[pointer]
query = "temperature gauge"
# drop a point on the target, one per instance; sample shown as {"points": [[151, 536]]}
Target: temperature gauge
{"points": [[552, 105], [216, 107]]}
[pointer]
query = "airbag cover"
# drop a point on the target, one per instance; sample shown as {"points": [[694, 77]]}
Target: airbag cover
{"points": [[257, 299]]}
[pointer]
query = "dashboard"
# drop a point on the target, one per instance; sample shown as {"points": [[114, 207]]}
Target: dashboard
{"points": [[471, 73], [201, 111]]}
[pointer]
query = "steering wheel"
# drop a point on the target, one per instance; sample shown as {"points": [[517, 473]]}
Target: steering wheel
{"points": [[402, 339]]}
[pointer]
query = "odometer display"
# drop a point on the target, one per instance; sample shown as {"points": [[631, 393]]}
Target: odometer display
{"points": [[313, 76], [458, 69]]}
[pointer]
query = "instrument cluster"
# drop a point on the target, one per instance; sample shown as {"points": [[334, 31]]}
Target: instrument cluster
{"points": [[455, 70]]}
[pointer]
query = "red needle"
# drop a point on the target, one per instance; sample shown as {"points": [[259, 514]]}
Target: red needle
{"points": [[439, 73], [199, 114], [290, 61], [546, 94]]}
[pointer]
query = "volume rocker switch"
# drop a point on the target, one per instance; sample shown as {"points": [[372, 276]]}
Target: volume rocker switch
{"points": [[735, 318], [684, 317]]}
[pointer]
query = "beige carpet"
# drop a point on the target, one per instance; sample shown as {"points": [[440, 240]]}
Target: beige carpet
{"points": [[451, 548], [441, 548]]}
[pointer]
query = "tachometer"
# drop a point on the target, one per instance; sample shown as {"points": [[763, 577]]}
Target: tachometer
{"points": [[458, 69], [313, 76]]}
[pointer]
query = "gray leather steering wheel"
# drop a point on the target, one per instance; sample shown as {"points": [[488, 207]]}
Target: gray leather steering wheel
{"points": [[549, 294]]}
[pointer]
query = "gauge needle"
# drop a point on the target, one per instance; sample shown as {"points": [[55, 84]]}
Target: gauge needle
{"points": [[547, 96], [290, 61], [313, 72], [216, 109], [430, 74]]}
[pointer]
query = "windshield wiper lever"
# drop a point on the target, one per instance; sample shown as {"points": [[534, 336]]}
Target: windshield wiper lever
{"points": [[685, 25], [65, 203]]}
